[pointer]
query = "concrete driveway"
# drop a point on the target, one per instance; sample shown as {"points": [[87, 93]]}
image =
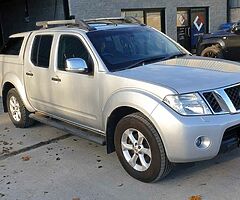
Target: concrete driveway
{"points": [[42, 163]]}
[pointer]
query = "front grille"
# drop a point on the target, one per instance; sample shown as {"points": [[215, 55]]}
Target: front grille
{"points": [[212, 102], [234, 95]]}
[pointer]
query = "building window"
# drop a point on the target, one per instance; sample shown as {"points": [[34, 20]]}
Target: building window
{"points": [[151, 17], [138, 14], [234, 10], [154, 19], [234, 14]]}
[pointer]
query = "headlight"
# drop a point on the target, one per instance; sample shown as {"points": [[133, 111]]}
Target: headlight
{"points": [[188, 104]]}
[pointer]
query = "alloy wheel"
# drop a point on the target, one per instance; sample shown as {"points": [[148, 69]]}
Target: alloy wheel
{"points": [[136, 149], [15, 108]]}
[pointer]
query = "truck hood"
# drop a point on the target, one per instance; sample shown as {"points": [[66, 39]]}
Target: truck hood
{"points": [[188, 74], [218, 34]]}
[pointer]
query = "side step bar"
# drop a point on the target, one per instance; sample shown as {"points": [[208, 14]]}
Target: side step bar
{"points": [[85, 134]]}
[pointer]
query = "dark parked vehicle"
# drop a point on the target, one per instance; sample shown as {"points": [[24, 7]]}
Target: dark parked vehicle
{"points": [[221, 44], [226, 26]]}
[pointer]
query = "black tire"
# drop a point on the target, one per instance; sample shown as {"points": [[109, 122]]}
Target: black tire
{"points": [[160, 166], [212, 52], [24, 121]]}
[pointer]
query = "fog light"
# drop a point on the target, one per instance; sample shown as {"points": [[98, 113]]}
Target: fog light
{"points": [[202, 142]]}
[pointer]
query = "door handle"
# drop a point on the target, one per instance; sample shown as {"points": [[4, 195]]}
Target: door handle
{"points": [[29, 74], [56, 79]]}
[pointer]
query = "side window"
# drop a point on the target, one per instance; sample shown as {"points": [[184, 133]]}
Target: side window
{"points": [[13, 46], [34, 54], [72, 47], [41, 50]]}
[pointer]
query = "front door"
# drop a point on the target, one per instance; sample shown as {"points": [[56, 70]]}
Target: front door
{"points": [[183, 29], [75, 96]]}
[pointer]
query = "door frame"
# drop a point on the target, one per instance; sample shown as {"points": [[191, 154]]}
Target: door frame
{"points": [[189, 9], [186, 29]]}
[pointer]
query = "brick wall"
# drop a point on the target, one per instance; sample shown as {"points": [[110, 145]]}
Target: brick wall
{"points": [[12, 11], [112, 8]]}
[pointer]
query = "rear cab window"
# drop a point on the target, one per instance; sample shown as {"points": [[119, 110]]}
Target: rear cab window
{"points": [[41, 50], [12, 47]]}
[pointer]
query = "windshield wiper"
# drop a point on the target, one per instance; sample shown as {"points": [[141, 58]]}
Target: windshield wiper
{"points": [[174, 56], [152, 60], [143, 62]]}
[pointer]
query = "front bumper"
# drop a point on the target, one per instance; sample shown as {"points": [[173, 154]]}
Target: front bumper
{"points": [[179, 133]]}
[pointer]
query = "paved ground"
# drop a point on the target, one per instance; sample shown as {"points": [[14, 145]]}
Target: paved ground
{"points": [[71, 167]]}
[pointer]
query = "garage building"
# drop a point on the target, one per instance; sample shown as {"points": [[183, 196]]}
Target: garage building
{"points": [[182, 20]]}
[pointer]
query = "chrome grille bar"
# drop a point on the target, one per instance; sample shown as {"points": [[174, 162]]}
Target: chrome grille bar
{"points": [[223, 99]]}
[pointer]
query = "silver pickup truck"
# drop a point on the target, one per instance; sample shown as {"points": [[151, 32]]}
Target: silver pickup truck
{"points": [[127, 85]]}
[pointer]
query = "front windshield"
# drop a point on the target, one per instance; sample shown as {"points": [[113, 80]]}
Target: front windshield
{"points": [[122, 47]]}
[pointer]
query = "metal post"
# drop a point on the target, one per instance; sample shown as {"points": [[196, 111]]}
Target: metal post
{"points": [[228, 11], [66, 9]]}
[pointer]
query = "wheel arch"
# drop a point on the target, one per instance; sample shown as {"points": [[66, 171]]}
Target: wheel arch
{"points": [[12, 81], [210, 42], [122, 104], [6, 88]]}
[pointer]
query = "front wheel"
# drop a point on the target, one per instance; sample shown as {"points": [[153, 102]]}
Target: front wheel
{"points": [[18, 113], [140, 149], [212, 52]]}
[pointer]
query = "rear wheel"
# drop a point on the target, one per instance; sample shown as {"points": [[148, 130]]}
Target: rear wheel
{"points": [[18, 113], [140, 149], [212, 52]]}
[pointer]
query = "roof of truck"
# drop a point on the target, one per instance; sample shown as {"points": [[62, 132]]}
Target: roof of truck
{"points": [[66, 29], [84, 25], [23, 34]]}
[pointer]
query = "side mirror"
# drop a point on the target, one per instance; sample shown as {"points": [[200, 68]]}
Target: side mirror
{"points": [[76, 65]]}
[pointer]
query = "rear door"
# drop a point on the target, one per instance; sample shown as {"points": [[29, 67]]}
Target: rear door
{"points": [[37, 71]]}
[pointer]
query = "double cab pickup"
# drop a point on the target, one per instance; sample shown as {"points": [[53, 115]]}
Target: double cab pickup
{"points": [[152, 101]]}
